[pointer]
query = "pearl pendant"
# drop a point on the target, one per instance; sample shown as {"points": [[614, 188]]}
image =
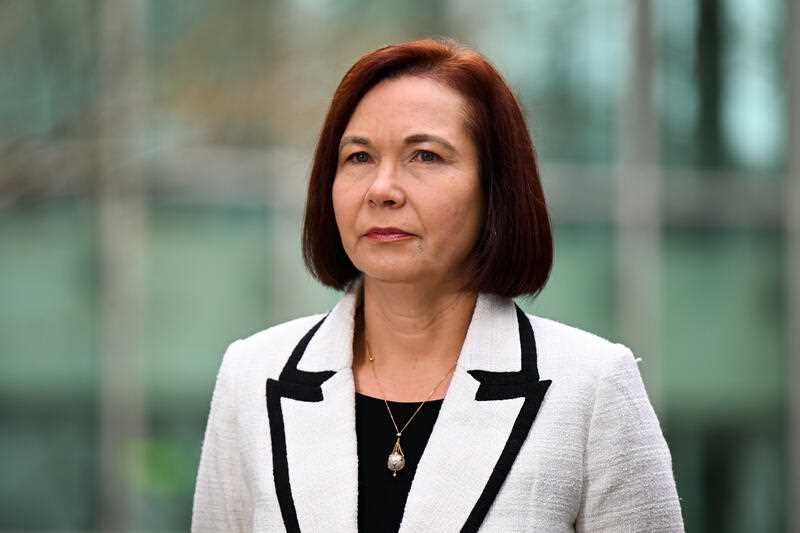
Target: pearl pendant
{"points": [[396, 460]]}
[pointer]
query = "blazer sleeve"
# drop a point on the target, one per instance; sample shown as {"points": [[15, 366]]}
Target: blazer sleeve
{"points": [[220, 500], [628, 479]]}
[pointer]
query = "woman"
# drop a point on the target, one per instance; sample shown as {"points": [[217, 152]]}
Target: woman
{"points": [[424, 205]]}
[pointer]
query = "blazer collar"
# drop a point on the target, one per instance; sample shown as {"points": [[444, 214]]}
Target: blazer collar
{"points": [[491, 343], [487, 413]]}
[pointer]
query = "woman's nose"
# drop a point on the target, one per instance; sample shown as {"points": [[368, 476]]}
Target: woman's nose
{"points": [[385, 190]]}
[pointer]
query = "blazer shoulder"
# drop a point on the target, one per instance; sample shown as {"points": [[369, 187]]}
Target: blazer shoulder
{"points": [[562, 348], [284, 333], [269, 349]]}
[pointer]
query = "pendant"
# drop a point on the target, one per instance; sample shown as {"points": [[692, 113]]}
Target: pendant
{"points": [[396, 460]]}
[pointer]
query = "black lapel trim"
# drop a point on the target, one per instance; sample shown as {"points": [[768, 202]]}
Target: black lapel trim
{"points": [[297, 385], [503, 386], [306, 386]]}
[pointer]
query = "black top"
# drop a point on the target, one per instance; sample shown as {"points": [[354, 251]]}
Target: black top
{"points": [[381, 497]]}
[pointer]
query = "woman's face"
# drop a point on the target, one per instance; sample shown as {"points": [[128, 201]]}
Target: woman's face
{"points": [[406, 162]]}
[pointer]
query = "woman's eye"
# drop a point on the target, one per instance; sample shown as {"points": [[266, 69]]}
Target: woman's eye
{"points": [[427, 157], [359, 157]]}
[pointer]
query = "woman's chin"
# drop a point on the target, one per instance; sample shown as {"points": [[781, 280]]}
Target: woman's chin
{"points": [[412, 272], [394, 274], [392, 277]]}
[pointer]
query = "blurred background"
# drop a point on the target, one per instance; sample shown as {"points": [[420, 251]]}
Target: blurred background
{"points": [[153, 161]]}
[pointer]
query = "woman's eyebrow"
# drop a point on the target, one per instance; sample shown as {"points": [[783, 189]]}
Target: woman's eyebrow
{"points": [[411, 139], [353, 139], [427, 137]]}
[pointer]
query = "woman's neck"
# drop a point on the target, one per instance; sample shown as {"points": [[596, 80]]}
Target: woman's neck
{"points": [[415, 335]]}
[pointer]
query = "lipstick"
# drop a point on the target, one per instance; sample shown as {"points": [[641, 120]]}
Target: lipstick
{"points": [[387, 234]]}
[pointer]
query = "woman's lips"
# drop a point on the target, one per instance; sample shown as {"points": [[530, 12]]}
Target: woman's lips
{"points": [[388, 235]]}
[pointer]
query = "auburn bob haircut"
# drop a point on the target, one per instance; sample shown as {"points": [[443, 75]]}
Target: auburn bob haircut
{"points": [[514, 251]]}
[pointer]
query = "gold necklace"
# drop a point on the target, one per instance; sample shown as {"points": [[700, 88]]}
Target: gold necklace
{"points": [[397, 459]]}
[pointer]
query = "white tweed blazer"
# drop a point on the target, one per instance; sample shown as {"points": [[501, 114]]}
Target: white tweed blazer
{"points": [[544, 428]]}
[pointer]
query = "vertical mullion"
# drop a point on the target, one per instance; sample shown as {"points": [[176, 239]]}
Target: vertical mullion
{"points": [[792, 222], [122, 218], [637, 213]]}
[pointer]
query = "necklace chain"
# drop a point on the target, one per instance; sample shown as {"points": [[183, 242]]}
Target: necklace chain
{"points": [[396, 460], [383, 393]]}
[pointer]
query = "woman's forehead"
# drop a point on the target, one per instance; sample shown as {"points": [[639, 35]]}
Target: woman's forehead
{"points": [[406, 107]]}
